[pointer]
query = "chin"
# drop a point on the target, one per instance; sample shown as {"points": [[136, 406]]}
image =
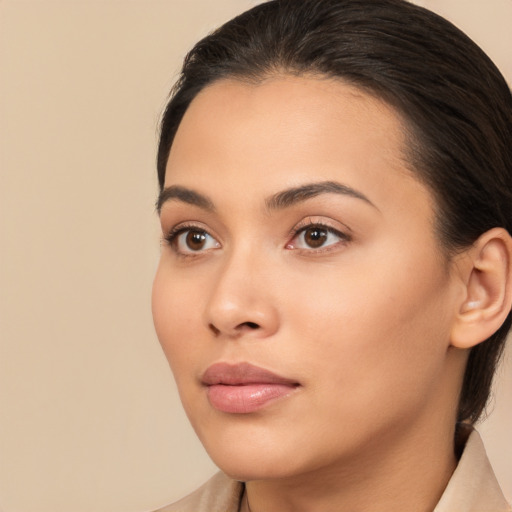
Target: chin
{"points": [[246, 470], [251, 456], [267, 459]]}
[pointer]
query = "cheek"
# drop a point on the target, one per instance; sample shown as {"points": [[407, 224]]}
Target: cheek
{"points": [[374, 330], [175, 314]]}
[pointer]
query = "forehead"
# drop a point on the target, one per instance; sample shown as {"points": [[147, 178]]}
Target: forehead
{"points": [[288, 130], [304, 102]]}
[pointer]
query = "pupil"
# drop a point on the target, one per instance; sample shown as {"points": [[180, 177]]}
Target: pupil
{"points": [[316, 237], [196, 240]]}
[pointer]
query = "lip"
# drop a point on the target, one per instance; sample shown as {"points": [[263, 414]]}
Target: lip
{"points": [[244, 388]]}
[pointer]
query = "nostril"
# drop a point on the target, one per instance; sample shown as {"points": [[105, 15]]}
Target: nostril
{"points": [[237, 331], [214, 329], [251, 325]]}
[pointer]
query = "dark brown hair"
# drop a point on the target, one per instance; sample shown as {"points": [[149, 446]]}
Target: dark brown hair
{"points": [[456, 105]]}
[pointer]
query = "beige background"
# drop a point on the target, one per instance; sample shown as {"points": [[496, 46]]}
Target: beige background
{"points": [[90, 420]]}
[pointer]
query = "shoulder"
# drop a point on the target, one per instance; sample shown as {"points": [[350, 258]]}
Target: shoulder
{"points": [[473, 486], [219, 494]]}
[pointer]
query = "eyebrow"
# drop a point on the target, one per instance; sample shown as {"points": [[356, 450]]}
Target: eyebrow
{"points": [[279, 201], [295, 195], [185, 195]]}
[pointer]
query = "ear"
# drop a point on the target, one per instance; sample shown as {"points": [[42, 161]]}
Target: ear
{"points": [[487, 274]]}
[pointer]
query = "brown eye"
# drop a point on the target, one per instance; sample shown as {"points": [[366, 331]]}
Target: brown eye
{"points": [[315, 236], [191, 240], [195, 240]]}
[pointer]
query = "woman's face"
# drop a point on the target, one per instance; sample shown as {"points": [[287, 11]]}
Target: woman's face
{"points": [[299, 243]]}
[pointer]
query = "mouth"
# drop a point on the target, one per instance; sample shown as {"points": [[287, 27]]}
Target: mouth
{"points": [[244, 388]]}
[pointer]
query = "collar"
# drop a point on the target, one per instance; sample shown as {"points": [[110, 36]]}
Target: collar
{"points": [[473, 486]]}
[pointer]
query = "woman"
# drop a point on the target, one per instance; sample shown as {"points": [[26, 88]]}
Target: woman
{"points": [[334, 289]]}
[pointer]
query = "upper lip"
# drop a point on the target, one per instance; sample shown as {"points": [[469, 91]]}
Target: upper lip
{"points": [[242, 374]]}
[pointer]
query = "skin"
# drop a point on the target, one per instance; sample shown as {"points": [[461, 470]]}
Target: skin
{"points": [[362, 323]]}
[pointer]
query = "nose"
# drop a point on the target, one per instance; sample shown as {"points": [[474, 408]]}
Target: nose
{"points": [[241, 302]]}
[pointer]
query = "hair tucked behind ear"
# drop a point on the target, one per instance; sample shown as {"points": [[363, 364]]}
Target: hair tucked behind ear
{"points": [[456, 105]]}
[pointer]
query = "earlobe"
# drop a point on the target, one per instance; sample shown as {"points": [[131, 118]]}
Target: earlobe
{"points": [[488, 282]]}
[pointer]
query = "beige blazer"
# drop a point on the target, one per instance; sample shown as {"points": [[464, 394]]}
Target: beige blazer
{"points": [[472, 488]]}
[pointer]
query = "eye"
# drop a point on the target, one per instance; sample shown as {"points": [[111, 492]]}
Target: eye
{"points": [[191, 240], [316, 236]]}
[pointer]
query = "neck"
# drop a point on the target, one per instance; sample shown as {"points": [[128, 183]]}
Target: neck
{"points": [[401, 472]]}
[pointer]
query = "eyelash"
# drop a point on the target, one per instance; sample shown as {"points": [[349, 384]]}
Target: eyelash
{"points": [[310, 224], [171, 238]]}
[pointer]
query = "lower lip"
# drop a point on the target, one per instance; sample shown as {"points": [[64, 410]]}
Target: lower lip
{"points": [[247, 398]]}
